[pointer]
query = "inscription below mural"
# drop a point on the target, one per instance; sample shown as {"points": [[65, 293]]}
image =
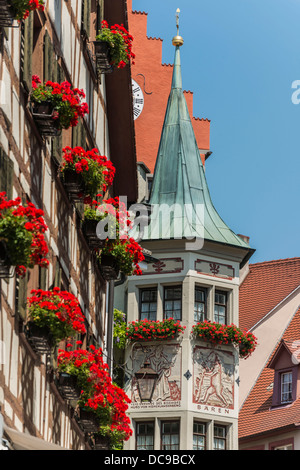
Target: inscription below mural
{"points": [[213, 378], [165, 360]]}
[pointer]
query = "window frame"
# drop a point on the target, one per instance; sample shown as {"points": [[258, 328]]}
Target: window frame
{"points": [[278, 373], [145, 423], [144, 289], [166, 288]]}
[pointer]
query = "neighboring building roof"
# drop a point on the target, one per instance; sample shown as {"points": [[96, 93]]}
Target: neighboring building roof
{"points": [[179, 179], [266, 285], [257, 407]]}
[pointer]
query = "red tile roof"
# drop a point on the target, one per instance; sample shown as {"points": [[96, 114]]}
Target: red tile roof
{"points": [[256, 416], [266, 285]]}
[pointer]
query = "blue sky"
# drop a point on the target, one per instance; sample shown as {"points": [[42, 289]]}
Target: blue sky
{"points": [[240, 59]]}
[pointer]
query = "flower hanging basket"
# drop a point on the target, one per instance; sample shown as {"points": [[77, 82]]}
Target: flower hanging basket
{"points": [[102, 57], [108, 267], [89, 228], [42, 114], [6, 13], [40, 338], [73, 184], [5, 262], [87, 421], [67, 386]]}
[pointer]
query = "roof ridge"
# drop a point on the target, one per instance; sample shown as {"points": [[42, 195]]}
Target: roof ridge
{"points": [[275, 261]]}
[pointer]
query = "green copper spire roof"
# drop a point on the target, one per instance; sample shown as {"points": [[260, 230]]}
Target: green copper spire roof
{"points": [[179, 179]]}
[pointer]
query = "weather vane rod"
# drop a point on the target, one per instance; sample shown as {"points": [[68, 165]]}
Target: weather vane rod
{"points": [[177, 20], [177, 40]]}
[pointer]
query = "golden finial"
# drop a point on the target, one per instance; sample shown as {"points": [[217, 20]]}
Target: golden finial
{"points": [[177, 40]]}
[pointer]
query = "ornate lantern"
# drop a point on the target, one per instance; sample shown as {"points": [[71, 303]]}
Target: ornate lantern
{"points": [[146, 379]]}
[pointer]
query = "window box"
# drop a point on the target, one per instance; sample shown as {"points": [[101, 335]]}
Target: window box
{"points": [[67, 386], [42, 114], [145, 330], [6, 14], [102, 57], [39, 338]]}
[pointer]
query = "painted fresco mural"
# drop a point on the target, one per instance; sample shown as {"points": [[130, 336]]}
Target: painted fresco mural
{"points": [[213, 383], [165, 359]]}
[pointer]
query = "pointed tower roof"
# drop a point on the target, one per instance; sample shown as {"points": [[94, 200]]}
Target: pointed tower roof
{"points": [[179, 180]]}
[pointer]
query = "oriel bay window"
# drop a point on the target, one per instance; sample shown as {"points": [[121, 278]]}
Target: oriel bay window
{"points": [[170, 433], [220, 310], [173, 302], [200, 304], [145, 436], [148, 304]]}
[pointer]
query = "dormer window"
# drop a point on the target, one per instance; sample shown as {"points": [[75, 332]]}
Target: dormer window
{"points": [[285, 365], [286, 383]]}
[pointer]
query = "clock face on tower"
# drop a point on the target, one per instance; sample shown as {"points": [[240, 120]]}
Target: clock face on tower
{"points": [[138, 99]]}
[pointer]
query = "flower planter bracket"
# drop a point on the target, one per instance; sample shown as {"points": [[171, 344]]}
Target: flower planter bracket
{"points": [[108, 268], [88, 421], [101, 443], [6, 269], [6, 14], [39, 338], [102, 57], [73, 184], [67, 386], [89, 228], [42, 114]]}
